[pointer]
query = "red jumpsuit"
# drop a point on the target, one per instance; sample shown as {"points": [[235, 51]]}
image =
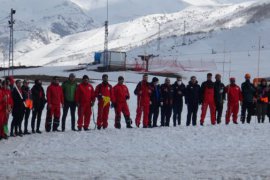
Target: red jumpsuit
{"points": [[234, 95], [121, 92], [104, 93], [6, 105], [55, 98], [208, 100], [84, 97], [143, 92], [2, 113]]}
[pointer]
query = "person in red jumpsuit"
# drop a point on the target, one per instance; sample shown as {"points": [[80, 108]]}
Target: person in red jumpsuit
{"points": [[208, 99], [104, 94], [55, 100], [6, 106], [2, 113], [85, 99], [143, 92], [120, 103], [234, 95]]}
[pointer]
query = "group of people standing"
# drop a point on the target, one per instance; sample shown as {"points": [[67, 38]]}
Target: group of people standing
{"points": [[169, 98], [18, 99]]}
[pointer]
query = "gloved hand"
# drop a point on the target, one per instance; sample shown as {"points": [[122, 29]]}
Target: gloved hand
{"points": [[100, 96], [112, 105]]}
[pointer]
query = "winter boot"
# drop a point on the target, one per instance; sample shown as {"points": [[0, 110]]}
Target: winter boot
{"points": [[128, 122], [55, 125], [48, 125], [38, 131], [117, 124]]}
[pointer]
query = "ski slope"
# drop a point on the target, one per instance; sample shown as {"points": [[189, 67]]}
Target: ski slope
{"points": [[207, 27]]}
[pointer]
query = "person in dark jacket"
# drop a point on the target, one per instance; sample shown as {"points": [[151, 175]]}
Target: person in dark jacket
{"points": [[192, 100], [166, 102], [220, 95], [39, 101], [178, 94], [26, 93], [154, 102], [17, 111], [69, 89], [248, 94], [208, 99], [262, 95]]}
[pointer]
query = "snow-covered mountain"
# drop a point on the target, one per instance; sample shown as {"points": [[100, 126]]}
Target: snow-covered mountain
{"points": [[68, 32]]}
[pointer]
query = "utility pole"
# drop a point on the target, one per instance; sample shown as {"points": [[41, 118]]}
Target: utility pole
{"points": [[11, 22], [184, 35], [259, 58], [106, 59]]}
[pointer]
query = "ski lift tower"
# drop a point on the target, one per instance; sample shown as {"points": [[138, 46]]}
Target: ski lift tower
{"points": [[11, 22], [146, 58], [106, 42]]}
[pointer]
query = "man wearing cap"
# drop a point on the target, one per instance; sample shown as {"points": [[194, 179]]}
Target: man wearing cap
{"points": [[208, 99], [104, 94], [166, 102], [178, 94], [55, 100], [85, 99], [220, 96], [248, 93], [120, 103], [234, 97], [154, 102], [69, 88], [143, 92]]}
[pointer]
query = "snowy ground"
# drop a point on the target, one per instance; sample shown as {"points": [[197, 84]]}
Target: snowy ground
{"points": [[220, 152], [223, 152]]}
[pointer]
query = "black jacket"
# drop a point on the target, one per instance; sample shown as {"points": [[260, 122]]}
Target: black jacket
{"points": [[220, 93], [205, 84], [248, 91], [193, 93], [38, 97], [262, 92], [26, 92], [178, 93], [18, 106], [155, 95], [166, 94]]}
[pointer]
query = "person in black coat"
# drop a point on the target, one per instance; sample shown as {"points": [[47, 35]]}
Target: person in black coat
{"points": [[249, 96], [166, 102], [39, 102], [178, 94], [192, 100], [17, 111], [26, 93], [220, 95], [154, 102]]}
